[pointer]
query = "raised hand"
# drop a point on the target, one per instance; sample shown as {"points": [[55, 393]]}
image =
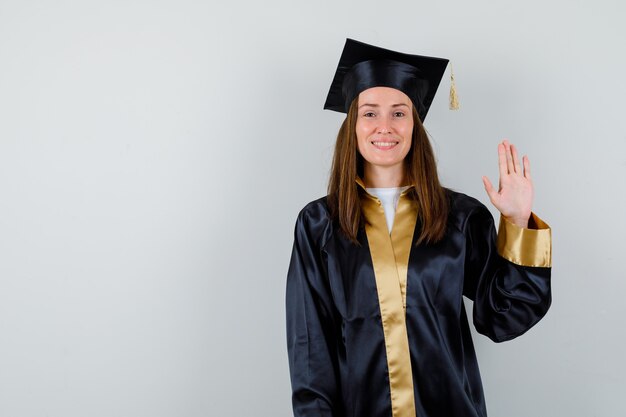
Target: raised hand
{"points": [[514, 198]]}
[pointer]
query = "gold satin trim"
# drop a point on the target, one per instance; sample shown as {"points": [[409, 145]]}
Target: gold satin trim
{"points": [[402, 237], [526, 247], [390, 257]]}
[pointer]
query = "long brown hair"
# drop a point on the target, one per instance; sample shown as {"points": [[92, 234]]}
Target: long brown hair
{"points": [[420, 170]]}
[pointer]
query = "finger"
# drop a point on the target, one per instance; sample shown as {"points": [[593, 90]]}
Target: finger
{"points": [[502, 160], [491, 192], [516, 164], [526, 162], [509, 157]]}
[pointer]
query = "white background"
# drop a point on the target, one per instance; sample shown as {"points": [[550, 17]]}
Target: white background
{"points": [[154, 156]]}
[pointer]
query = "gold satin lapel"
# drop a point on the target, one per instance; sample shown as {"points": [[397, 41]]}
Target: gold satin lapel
{"points": [[402, 238], [390, 266]]}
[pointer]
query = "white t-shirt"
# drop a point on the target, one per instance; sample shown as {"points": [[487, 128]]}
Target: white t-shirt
{"points": [[389, 198]]}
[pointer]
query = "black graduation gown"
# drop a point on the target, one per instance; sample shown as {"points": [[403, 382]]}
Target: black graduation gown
{"points": [[341, 357]]}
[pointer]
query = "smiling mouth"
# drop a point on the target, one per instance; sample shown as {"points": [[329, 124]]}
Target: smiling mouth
{"points": [[384, 144]]}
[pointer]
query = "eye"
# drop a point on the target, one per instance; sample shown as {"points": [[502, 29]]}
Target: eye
{"points": [[368, 114], [399, 114]]}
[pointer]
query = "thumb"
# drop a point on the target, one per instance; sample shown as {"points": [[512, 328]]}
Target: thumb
{"points": [[491, 192]]}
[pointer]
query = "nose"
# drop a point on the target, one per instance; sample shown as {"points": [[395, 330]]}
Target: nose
{"points": [[385, 125]]}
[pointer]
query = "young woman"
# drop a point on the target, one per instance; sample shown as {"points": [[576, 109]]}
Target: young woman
{"points": [[375, 318]]}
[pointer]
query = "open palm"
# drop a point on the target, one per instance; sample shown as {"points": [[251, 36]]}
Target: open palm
{"points": [[514, 198]]}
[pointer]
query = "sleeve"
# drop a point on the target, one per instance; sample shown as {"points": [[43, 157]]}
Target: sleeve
{"points": [[508, 275], [310, 337]]}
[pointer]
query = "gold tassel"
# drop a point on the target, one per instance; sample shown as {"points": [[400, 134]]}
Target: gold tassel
{"points": [[454, 99]]}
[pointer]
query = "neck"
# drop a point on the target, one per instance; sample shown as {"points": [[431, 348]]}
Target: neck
{"points": [[383, 177]]}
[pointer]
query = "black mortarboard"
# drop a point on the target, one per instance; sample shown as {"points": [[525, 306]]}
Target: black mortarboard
{"points": [[363, 66]]}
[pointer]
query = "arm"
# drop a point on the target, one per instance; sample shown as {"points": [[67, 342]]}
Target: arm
{"points": [[310, 336], [508, 278]]}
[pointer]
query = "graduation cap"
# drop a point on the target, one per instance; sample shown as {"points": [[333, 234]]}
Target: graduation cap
{"points": [[363, 66]]}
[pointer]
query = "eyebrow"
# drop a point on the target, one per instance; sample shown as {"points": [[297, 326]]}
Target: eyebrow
{"points": [[376, 105]]}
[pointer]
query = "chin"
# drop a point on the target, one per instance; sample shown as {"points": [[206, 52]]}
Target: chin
{"points": [[386, 163]]}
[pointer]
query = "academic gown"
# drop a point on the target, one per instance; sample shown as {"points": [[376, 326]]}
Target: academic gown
{"points": [[380, 329]]}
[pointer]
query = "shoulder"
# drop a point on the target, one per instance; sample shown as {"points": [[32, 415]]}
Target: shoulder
{"points": [[464, 207], [315, 210], [314, 222]]}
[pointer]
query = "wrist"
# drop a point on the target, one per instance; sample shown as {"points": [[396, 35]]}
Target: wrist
{"points": [[519, 221]]}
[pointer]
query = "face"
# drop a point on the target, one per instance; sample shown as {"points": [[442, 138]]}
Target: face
{"points": [[384, 126]]}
